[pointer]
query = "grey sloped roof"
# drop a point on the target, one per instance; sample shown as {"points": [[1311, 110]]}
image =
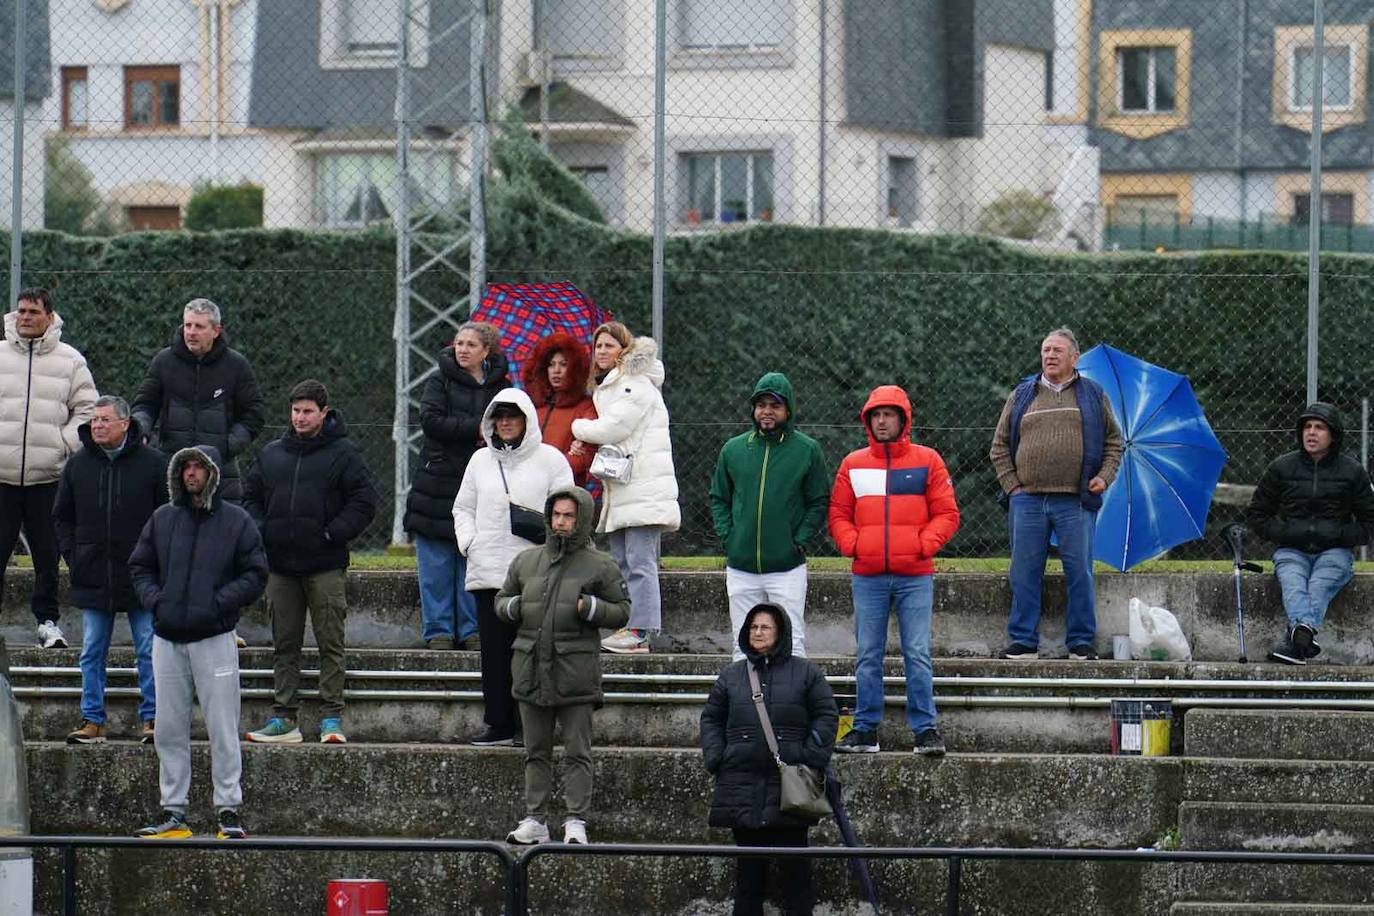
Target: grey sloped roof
{"points": [[37, 69], [569, 106], [291, 90]]}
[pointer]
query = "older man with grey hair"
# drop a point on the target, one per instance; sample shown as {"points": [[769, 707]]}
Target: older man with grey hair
{"points": [[1056, 450], [199, 391]]}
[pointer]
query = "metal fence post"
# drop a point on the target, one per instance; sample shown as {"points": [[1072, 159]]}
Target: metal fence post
{"points": [[69, 880], [400, 332], [17, 163], [1314, 216], [660, 217], [477, 194], [956, 870], [517, 887]]}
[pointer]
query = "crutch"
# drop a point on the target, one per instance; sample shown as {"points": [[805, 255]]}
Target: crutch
{"points": [[1235, 535]]}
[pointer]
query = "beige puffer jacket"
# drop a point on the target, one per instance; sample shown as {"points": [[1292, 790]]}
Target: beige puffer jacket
{"points": [[46, 393]]}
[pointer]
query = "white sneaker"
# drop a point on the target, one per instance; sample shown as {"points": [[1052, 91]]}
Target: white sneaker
{"points": [[575, 831], [626, 642], [50, 635], [529, 832]]}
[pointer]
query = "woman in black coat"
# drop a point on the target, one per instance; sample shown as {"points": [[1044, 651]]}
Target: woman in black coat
{"points": [[747, 789], [472, 370]]}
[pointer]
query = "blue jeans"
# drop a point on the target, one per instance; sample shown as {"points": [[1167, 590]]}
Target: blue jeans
{"points": [[874, 598], [95, 649], [1310, 580], [446, 608], [1033, 517]]}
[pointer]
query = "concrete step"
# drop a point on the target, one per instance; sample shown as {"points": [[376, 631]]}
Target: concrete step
{"points": [[970, 612], [1283, 827], [1214, 883], [1343, 782], [1281, 734], [1206, 908]]}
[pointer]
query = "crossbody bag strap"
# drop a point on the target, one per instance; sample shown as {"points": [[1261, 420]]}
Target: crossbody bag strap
{"points": [[757, 694]]}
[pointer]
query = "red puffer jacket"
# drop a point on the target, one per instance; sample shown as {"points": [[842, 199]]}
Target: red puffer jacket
{"points": [[892, 507]]}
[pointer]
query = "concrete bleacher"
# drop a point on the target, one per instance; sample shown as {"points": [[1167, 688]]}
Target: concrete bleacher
{"points": [[1028, 766]]}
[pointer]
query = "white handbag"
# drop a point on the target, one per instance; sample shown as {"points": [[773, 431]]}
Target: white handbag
{"points": [[612, 463]]}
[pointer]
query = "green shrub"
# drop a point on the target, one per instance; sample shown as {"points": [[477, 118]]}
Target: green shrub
{"points": [[70, 201], [1019, 215], [224, 207]]}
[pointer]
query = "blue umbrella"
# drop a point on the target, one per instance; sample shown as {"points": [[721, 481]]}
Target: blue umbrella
{"points": [[1170, 465]]}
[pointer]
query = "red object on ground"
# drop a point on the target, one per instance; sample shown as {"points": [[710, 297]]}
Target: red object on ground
{"points": [[356, 897]]}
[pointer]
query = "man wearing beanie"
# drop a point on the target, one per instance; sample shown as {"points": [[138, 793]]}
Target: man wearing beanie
{"points": [[1055, 451], [310, 493], [1316, 504]]}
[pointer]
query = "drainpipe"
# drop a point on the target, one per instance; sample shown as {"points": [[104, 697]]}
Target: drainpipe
{"points": [[214, 11]]}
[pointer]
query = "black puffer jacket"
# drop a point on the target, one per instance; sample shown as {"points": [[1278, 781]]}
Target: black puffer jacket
{"points": [[1314, 505], [451, 410], [208, 400], [102, 506], [804, 717], [197, 568], [310, 497]]}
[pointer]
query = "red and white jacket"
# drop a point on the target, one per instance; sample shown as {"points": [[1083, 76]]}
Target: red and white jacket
{"points": [[892, 507]]}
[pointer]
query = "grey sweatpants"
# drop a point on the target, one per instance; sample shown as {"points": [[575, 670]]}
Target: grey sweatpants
{"points": [[207, 669], [636, 553]]}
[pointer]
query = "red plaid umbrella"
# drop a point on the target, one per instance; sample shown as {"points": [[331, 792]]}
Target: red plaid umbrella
{"points": [[528, 312]]}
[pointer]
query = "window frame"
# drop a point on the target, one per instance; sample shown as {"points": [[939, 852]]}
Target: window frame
{"points": [[1142, 124], [335, 54], [751, 178], [1289, 38], [71, 76], [1290, 96], [159, 75], [721, 57], [1151, 80]]}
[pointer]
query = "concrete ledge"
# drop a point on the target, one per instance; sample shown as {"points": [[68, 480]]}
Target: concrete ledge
{"points": [[970, 613], [1269, 781], [1270, 909], [1276, 827], [1298, 734], [1215, 882]]}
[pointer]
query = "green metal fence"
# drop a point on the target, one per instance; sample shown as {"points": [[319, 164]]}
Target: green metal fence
{"points": [[1150, 233]]}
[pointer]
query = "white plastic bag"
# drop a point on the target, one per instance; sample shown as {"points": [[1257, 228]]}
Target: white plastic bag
{"points": [[1156, 635]]}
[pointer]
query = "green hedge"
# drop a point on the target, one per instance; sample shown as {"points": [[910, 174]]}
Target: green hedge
{"points": [[955, 320], [224, 207]]}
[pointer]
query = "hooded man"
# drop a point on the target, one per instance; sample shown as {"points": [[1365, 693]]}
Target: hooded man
{"points": [[310, 493], [1316, 504], [557, 596], [46, 393], [768, 497], [496, 515], [198, 563], [108, 491], [892, 509]]}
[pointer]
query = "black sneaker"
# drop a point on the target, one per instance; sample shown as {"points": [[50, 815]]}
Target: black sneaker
{"points": [[172, 827], [230, 828], [1284, 651], [1018, 651], [857, 742], [1304, 640], [929, 744], [518, 740], [1083, 653], [490, 737]]}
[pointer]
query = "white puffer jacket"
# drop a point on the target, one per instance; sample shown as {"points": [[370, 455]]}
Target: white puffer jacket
{"points": [[46, 393], [481, 511], [631, 414]]}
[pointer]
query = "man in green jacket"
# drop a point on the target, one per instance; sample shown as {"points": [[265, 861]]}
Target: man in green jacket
{"points": [[558, 595], [768, 497]]}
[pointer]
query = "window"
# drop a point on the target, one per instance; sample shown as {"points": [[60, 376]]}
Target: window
{"points": [[162, 218], [1338, 65], [597, 179], [901, 190], [75, 114], [152, 97], [1337, 208], [1145, 79], [732, 25], [583, 30], [1150, 208], [729, 187], [371, 27], [355, 189]]}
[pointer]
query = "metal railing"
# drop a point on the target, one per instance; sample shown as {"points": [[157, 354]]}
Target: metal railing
{"points": [[517, 864]]}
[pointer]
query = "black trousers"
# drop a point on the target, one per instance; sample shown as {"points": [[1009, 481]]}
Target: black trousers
{"points": [[752, 873], [496, 638], [30, 508]]}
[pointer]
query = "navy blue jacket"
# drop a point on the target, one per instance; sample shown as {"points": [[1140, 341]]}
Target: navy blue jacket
{"points": [[1089, 395], [197, 568]]}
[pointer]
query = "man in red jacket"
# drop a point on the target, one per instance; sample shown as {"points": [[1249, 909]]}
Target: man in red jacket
{"points": [[892, 509]]}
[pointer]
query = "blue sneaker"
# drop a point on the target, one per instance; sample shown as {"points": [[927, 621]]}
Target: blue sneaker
{"points": [[276, 731], [331, 731]]}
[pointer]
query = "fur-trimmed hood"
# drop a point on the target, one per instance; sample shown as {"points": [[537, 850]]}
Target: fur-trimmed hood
{"points": [[46, 342], [641, 358], [534, 375], [176, 491]]}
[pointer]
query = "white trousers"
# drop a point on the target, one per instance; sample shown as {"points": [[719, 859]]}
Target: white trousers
{"points": [[786, 589]]}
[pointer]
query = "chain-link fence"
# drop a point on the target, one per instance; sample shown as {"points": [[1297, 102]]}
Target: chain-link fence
{"points": [[831, 174]]}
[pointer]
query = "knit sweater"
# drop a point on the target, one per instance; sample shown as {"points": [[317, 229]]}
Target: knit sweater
{"points": [[1049, 452]]}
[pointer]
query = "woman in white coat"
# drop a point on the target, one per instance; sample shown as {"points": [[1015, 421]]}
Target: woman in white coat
{"points": [[517, 469], [631, 414]]}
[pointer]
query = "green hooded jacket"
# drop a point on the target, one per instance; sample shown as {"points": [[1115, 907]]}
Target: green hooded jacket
{"points": [[557, 652], [769, 493]]}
